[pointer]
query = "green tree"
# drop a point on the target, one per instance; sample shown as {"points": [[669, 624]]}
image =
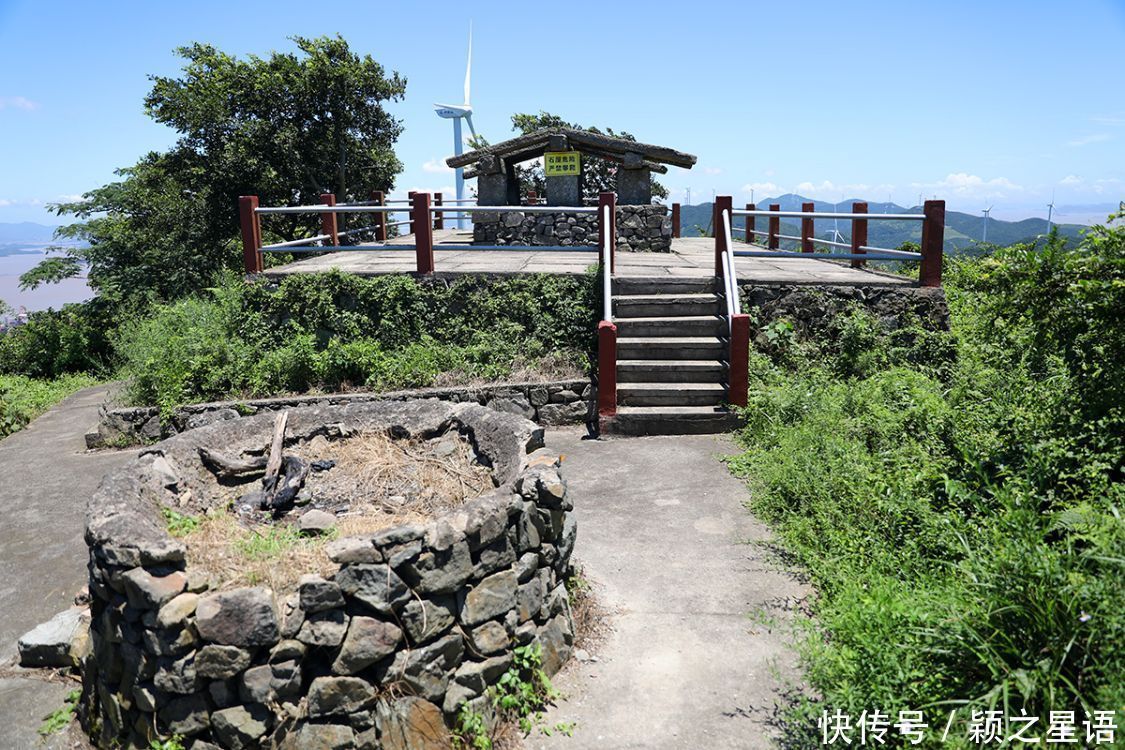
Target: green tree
{"points": [[284, 127], [598, 175]]}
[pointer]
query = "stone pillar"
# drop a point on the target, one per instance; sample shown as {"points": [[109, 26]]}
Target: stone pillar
{"points": [[634, 186], [563, 190], [495, 182]]}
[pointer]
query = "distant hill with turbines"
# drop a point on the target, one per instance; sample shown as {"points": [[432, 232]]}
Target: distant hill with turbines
{"points": [[962, 231]]}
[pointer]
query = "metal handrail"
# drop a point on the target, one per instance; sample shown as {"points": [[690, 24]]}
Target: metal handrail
{"points": [[814, 215], [527, 209], [295, 243], [881, 255], [607, 265], [729, 278], [325, 209], [338, 248]]}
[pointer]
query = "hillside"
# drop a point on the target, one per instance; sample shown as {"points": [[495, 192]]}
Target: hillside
{"points": [[26, 232], [962, 230]]}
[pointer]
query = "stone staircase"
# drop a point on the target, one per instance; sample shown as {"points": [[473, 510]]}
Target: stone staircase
{"points": [[671, 357]]}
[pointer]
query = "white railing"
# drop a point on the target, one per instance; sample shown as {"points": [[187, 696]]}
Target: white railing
{"points": [[730, 281], [607, 268], [860, 252]]}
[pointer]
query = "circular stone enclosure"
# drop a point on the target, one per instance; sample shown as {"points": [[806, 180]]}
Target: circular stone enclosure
{"points": [[378, 647]]}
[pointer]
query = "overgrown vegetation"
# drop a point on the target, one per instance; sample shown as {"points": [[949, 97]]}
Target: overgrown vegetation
{"points": [[22, 399], [957, 497], [520, 695], [336, 331], [60, 718]]}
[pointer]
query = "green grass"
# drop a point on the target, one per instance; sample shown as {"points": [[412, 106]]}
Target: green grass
{"points": [[22, 399], [956, 498], [60, 718]]}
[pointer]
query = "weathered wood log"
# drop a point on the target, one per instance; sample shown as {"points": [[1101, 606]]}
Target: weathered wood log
{"points": [[273, 465], [283, 496], [228, 467]]}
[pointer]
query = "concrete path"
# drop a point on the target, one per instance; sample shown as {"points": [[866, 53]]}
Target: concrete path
{"points": [[663, 533], [46, 476]]}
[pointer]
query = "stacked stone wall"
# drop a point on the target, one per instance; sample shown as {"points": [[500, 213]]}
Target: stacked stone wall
{"points": [[552, 403], [646, 228], [411, 623]]}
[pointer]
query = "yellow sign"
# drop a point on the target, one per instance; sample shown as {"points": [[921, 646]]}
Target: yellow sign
{"points": [[561, 163]]}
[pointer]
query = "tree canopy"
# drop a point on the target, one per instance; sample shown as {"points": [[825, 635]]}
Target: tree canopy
{"points": [[286, 127]]}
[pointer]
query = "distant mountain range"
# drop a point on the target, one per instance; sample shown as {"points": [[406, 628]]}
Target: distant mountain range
{"points": [[26, 231], [962, 231]]}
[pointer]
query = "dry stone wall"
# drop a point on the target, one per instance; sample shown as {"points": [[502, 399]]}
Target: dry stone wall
{"points": [[645, 228], [413, 622], [550, 404]]}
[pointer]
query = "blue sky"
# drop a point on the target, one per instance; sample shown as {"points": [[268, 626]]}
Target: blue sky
{"points": [[978, 103]]}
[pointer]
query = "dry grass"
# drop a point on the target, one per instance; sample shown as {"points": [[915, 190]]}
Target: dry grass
{"points": [[591, 617], [377, 483]]}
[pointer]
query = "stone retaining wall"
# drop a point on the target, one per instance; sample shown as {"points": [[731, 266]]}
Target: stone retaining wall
{"points": [[554, 403], [646, 228], [811, 306], [414, 621]]}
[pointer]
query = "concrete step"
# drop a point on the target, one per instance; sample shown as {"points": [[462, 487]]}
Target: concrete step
{"points": [[663, 285], [670, 371], [665, 305], [671, 347], [701, 325], [670, 394], [670, 420]]}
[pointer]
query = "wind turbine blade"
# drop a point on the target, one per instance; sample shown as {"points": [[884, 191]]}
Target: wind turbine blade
{"points": [[469, 119], [469, 66]]}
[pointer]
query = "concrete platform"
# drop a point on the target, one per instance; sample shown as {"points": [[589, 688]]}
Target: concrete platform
{"points": [[691, 257]]}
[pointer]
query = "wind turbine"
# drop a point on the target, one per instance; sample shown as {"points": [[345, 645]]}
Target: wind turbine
{"points": [[1050, 211], [457, 112], [984, 235]]}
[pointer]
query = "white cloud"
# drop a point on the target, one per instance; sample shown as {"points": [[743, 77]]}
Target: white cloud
{"points": [[18, 102], [962, 184], [71, 197], [5, 202], [763, 188], [436, 166], [1086, 140], [1071, 180], [712, 170]]}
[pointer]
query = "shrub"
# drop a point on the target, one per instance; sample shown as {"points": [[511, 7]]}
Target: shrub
{"points": [[956, 498]]}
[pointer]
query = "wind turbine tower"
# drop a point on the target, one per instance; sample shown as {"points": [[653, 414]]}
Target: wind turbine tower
{"points": [[458, 112], [1050, 211], [984, 234]]}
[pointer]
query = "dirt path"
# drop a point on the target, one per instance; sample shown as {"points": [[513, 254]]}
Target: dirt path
{"points": [[45, 479], [662, 531]]}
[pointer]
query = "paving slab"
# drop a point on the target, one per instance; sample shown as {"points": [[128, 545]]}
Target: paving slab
{"points": [[665, 537], [690, 256]]}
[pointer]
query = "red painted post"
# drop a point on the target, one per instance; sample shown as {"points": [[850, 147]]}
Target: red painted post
{"points": [[410, 197], [738, 374], [380, 217], [723, 204], [859, 235], [675, 220], [424, 233], [608, 199], [251, 233], [439, 217], [328, 223], [933, 243], [807, 228], [775, 227], [751, 224], [607, 369]]}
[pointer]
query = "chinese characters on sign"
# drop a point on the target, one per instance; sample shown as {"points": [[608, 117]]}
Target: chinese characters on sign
{"points": [[982, 728], [561, 163]]}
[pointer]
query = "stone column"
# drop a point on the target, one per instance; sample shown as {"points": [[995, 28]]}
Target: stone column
{"points": [[563, 190], [494, 179], [634, 186]]}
